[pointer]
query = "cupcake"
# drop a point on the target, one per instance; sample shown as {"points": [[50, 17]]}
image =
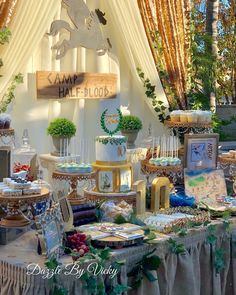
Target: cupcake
{"points": [[200, 116], [164, 162], [152, 161], [208, 115], [183, 117], [175, 116], [157, 161], [171, 161], [232, 153], [192, 117]]}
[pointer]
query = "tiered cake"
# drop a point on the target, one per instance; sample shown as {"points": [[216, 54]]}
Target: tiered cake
{"points": [[114, 173]]}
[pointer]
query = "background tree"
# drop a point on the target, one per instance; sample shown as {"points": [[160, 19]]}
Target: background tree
{"points": [[226, 64]]}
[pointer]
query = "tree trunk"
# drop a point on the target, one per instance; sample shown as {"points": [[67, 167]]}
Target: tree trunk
{"points": [[212, 13]]}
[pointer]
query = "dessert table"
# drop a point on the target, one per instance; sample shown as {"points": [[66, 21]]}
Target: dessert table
{"points": [[192, 273]]}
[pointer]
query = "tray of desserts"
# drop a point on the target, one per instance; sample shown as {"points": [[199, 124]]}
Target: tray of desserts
{"points": [[165, 220], [161, 164], [113, 235], [16, 186], [73, 168], [187, 118], [219, 206], [228, 158]]}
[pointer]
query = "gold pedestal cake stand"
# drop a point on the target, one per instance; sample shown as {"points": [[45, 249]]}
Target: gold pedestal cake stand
{"points": [[7, 136], [186, 127], [96, 197], [15, 217], [74, 178]]}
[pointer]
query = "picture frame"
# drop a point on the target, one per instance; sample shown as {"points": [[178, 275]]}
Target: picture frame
{"points": [[105, 180], [201, 151], [125, 180], [50, 229]]}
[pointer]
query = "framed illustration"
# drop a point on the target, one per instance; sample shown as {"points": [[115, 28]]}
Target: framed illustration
{"points": [[105, 181], [125, 180], [205, 184], [50, 227], [200, 151]]}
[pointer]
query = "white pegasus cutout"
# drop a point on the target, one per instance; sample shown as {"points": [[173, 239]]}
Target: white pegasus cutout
{"points": [[87, 32]]}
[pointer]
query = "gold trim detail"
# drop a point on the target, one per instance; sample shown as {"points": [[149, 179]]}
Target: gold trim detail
{"points": [[111, 163]]}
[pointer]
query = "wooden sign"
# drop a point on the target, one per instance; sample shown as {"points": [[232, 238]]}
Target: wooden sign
{"points": [[72, 85]]}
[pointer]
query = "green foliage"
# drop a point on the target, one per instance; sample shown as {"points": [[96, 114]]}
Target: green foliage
{"points": [[119, 219], [208, 72], [218, 252], [203, 65], [111, 140], [9, 96], [226, 64], [5, 35], [218, 124], [180, 231], [56, 287], [131, 123], [61, 127], [211, 238], [103, 124], [219, 262], [163, 74], [175, 247], [118, 289], [91, 283], [143, 268], [158, 105], [4, 38]]}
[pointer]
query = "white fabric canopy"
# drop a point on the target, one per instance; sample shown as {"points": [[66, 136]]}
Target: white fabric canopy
{"points": [[31, 21], [29, 51], [128, 25]]}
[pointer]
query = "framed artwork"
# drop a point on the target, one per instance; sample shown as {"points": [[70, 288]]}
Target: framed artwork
{"points": [[66, 210], [125, 180], [205, 184], [105, 181], [50, 227], [200, 151]]}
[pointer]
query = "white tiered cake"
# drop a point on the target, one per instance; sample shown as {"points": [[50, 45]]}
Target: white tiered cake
{"points": [[111, 149], [114, 173]]}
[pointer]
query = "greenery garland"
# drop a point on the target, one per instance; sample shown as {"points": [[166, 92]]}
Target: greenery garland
{"points": [[111, 140], [157, 104], [103, 124]]}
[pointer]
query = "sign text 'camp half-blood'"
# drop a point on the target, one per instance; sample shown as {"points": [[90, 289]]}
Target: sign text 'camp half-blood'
{"points": [[71, 85]]}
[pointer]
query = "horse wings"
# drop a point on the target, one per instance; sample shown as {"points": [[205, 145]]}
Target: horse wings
{"points": [[77, 11]]}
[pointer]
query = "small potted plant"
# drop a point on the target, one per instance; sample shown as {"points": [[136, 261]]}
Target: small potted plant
{"points": [[61, 130], [130, 126]]}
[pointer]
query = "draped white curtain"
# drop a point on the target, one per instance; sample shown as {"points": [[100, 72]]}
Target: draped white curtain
{"points": [[31, 21], [132, 37], [29, 50]]}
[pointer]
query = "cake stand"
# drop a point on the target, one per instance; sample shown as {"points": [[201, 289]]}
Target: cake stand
{"points": [[97, 197], [195, 128], [15, 217], [88, 180], [7, 136], [169, 171]]}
